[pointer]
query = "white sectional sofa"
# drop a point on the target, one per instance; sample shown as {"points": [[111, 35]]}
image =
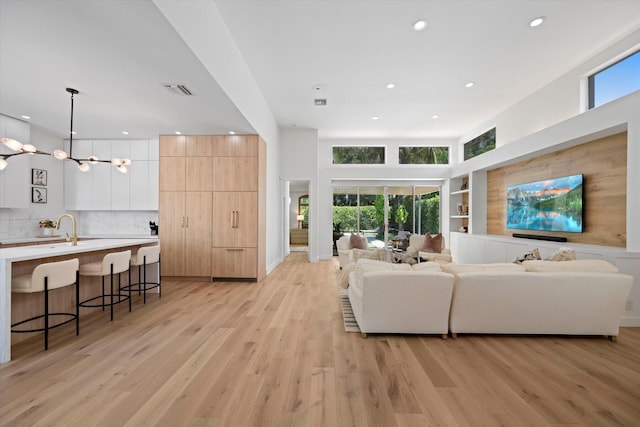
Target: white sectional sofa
{"points": [[394, 298], [584, 297]]}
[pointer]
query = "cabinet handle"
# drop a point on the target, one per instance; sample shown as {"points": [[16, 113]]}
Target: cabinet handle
{"points": [[235, 250], [233, 219], [187, 222], [182, 222], [237, 219]]}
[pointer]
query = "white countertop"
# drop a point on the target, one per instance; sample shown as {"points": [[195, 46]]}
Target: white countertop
{"points": [[37, 239], [23, 253]]}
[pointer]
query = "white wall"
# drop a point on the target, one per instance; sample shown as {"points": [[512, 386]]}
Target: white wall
{"points": [[369, 174], [299, 162], [22, 223], [199, 22], [556, 102]]}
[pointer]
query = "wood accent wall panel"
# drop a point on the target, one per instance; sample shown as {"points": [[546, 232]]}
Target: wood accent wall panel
{"points": [[603, 163]]}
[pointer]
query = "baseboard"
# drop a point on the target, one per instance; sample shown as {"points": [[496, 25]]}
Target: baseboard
{"points": [[630, 321]]}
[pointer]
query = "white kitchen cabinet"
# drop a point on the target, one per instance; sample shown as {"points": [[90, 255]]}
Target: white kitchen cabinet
{"points": [[103, 187], [15, 179]]}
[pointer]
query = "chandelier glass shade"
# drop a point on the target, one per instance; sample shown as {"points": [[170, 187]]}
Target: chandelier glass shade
{"points": [[83, 164]]}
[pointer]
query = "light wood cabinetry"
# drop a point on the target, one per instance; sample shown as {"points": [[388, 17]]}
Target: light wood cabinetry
{"points": [[224, 172], [185, 206], [236, 181]]}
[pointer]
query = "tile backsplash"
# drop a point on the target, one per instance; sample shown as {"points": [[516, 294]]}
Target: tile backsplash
{"points": [[23, 223]]}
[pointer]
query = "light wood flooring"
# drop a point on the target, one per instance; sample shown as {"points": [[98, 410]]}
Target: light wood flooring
{"points": [[274, 353]]}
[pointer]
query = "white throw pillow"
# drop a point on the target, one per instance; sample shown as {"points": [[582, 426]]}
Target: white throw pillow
{"points": [[575, 266]]}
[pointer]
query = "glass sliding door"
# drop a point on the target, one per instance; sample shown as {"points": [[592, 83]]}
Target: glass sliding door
{"points": [[386, 215], [427, 210]]}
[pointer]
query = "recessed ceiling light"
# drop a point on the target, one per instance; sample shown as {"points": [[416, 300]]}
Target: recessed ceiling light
{"points": [[470, 84], [390, 85], [537, 22], [26, 117], [231, 132], [375, 118], [178, 132], [124, 132], [435, 116], [419, 25]]}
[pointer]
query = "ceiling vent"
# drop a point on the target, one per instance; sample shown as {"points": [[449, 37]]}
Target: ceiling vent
{"points": [[181, 90], [320, 102]]}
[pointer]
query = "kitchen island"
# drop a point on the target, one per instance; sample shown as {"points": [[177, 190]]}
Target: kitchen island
{"points": [[22, 260]]}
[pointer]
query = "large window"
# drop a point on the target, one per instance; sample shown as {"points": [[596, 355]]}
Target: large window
{"points": [[423, 155], [615, 81], [358, 155], [481, 144], [381, 213], [303, 209]]}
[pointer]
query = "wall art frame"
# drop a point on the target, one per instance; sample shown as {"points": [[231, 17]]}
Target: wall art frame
{"points": [[39, 177], [38, 195]]}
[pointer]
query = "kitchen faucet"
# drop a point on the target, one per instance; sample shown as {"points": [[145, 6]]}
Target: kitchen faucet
{"points": [[74, 232]]}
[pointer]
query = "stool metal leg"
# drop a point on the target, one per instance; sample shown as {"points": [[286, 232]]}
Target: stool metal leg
{"points": [[102, 293], [111, 297], [144, 275], [77, 303], [46, 313]]}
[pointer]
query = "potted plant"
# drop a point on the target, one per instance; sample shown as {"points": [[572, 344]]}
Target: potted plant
{"points": [[47, 226]]}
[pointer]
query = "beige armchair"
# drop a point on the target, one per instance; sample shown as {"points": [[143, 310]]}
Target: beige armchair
{"points": [[344, 250], [416, 244]]}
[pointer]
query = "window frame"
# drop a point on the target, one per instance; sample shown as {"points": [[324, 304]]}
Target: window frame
{"points": [[384, 154], [591, 87], [494, 129], [447, 147]]}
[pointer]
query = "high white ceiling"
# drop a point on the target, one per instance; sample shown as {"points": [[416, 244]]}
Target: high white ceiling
{"points": [[118, 54]]}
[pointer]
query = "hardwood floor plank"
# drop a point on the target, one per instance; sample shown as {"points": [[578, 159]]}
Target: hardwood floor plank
{"points": [[274, 353]]}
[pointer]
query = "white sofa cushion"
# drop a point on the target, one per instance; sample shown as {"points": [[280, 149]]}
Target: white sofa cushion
{"points": [[368, 265], [577, 266], [541, 303], [426, 266], [473, 268]]}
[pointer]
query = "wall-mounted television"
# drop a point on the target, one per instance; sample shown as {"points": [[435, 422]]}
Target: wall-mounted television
{"points": [[549, 205]]}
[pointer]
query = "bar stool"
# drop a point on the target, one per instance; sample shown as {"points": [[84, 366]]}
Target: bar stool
{"points": [[47, 277], [111, 264], [145, 256]]}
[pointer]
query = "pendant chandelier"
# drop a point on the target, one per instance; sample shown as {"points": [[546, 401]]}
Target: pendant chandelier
{"points": [[83, 164]]}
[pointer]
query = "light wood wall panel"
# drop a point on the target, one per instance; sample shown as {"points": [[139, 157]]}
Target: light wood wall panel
{"points": [[603, 163]]}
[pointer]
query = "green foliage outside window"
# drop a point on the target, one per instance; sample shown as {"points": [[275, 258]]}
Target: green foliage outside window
{"points": [[423, 155], [345, 217], [358, 155], [481, 144]]}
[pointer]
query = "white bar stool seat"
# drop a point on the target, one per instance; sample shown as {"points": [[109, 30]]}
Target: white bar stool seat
{"points": [[45, 278], [145, 256], [111, 264]]}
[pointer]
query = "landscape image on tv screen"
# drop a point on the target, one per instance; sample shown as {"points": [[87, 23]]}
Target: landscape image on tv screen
{"points": [[550, 205]]}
